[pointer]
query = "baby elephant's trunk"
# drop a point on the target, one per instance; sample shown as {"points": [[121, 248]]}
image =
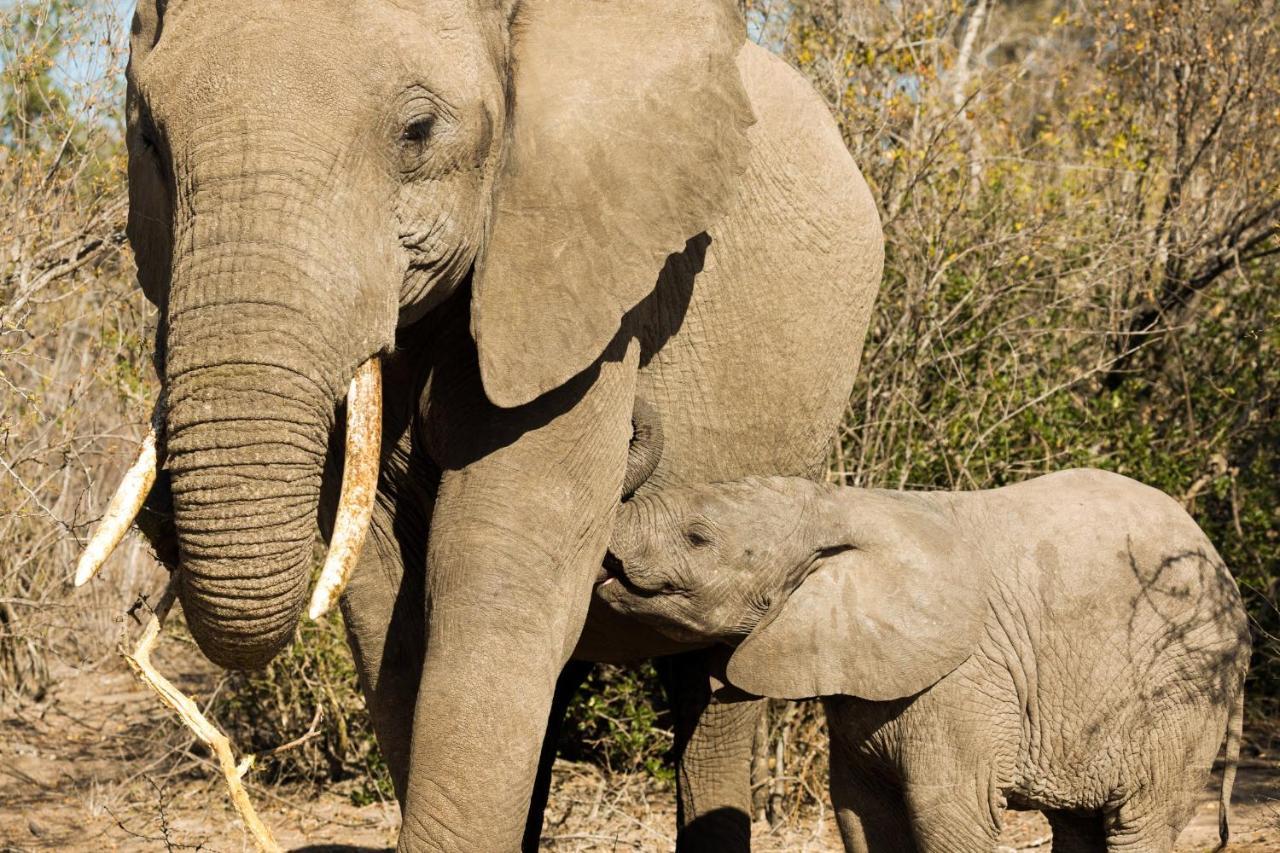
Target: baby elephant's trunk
{"points": [[646, 447]]}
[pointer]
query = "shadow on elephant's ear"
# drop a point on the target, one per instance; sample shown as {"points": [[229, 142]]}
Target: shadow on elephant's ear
{"points": [[653, 321], [453, 408], [585, 208]]}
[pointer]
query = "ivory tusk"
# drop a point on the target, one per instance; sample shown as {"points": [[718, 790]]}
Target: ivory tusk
{"points": [[359, 486], [121, 510]]}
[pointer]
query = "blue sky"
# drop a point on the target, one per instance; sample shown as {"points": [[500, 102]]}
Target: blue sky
{"points": [[92, 67]]}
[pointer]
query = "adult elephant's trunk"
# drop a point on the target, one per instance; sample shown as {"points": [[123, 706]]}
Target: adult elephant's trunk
{"points": [[246, 447], [214, 593], [268, 320], [280, 290]]}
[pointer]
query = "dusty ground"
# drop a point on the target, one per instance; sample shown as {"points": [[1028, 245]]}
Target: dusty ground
{"points": [[79, 771]]}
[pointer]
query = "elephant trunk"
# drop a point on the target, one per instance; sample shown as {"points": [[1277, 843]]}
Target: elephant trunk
{"points": [[645, 451], [355, 507], [263, 339], [246, 449], [630, 555], [278, 294]]}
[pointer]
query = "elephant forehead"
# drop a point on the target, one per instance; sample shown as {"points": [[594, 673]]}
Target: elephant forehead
{"points": [[303, 58]]}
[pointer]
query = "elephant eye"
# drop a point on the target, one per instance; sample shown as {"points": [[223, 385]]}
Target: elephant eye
{"points": [[417, 131], [147, 133], [697, 536]]}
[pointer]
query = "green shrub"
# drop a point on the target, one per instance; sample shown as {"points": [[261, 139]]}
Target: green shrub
{"points": [[619, 719]]}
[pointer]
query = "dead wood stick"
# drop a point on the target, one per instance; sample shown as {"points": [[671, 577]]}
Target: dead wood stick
{"points": [[312, 732], [139, 661]]}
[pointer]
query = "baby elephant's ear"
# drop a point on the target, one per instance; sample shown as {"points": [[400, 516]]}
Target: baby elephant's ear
{"points": [[879, 624]]}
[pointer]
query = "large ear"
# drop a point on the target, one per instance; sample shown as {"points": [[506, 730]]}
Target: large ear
{"points": [[149, 205], [627, 132], [879, 621]]}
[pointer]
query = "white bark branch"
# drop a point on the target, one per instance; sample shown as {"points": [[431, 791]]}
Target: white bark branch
{"points": [[139, 661]]}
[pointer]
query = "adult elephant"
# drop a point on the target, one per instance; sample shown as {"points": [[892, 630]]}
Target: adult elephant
{"points": [[527, 214]]}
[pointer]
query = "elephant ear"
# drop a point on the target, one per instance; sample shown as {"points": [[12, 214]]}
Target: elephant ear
{"points": [[149, 205], [879, 620], [627, 133]]}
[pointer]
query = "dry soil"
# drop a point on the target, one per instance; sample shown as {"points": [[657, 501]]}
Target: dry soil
{"points": [[80, 771]]}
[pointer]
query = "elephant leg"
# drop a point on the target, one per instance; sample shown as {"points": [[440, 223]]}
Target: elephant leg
{"points": [[1076, 832], [571, 677], [713, 742], [518, 533], [383, 612], [1143, 823], [871, 813], [947, 821]]}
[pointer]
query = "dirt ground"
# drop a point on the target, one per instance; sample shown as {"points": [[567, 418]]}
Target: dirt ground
{"points": [[79, 771]]}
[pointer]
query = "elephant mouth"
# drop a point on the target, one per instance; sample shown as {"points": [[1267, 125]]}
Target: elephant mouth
{"points": [[610, 569], [613, 581]]}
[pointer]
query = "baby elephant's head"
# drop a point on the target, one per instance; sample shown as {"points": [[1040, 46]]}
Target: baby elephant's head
{"points": [[823, 590], [708, 562]]}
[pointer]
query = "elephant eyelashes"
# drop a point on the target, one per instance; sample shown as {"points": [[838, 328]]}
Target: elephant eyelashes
{"points": [[414, 136], [417, 131], [148, 134], [697, 537], [149, 138]]}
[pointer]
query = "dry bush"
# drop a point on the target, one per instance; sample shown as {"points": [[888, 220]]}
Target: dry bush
{"points": [[307, 699], [74, 380], [1080, 205]]}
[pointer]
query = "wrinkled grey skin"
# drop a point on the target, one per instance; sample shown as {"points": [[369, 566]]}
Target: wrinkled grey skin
{"points": [[1072, 644], [533, 215]]}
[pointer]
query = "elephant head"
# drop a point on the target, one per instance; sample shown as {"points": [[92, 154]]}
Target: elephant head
{"points": [[706, 562], [306, 180], [822, 590]]}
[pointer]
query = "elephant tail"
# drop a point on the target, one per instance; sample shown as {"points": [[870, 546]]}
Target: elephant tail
{"points": [[646, 446], [1231, 760]]}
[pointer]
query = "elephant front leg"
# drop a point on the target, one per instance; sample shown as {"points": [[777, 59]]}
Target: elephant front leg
{"points": [[713, 753], [521, 520], [383, 604], [571, 678], [383, 611]]}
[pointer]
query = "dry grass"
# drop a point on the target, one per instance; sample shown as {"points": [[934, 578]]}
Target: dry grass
{"points": [[74, 340]]}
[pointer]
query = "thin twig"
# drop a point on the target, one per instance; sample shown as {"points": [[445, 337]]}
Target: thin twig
{"points": [[313, 732]]}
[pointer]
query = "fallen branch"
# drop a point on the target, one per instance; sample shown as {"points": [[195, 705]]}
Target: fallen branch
{"points": [[139, 661]]}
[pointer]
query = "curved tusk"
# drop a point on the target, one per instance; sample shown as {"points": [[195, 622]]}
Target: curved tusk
{"points": [[359, 486], [121, 510]]}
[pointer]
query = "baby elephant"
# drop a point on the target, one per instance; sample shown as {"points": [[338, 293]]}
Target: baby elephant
{"points": [[1072, 644]]}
